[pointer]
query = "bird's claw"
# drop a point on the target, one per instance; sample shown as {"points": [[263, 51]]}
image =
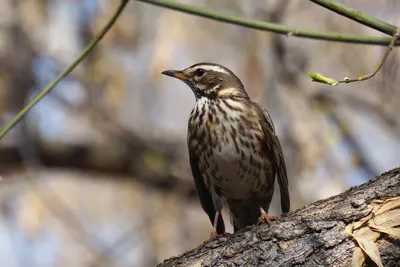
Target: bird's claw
{"points": [[264, 217], [214, 235]]}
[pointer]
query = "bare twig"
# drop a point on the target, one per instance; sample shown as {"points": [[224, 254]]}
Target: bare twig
{"points": [[316, 77]]}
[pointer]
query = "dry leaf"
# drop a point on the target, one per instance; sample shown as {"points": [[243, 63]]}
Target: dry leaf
{"points": [[361, 222], [358, 258], [392, 232], [389, 219], [384, 218], [370, 248], [389, 204]]}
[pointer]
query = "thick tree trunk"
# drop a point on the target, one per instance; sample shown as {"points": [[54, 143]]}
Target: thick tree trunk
{"points": [[320, 234]]}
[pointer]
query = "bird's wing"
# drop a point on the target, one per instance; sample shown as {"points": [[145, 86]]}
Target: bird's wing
{"points": [[204, 194], [276, 156]]}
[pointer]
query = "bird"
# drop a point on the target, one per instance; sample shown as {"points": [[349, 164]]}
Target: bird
{"points": [[234, 152]]}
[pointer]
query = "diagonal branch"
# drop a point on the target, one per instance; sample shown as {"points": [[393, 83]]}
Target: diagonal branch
{"points": [[65, 72]]}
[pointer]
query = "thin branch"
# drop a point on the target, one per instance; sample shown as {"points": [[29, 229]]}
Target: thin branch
{"points": [[316, 77], [271, 27], [357, 16], [65, 72]]}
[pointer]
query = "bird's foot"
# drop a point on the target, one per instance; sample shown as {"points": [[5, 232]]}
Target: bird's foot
{"points": [[264, 217], [214, 235]]}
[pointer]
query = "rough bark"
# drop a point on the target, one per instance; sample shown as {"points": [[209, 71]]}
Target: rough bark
{"points": [[310, 236]]}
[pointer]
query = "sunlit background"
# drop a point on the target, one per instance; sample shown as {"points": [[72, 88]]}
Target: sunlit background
{"points": [[98, 173]]}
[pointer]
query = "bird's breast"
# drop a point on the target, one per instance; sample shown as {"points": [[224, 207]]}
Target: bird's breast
{"points": [[227, 137]]}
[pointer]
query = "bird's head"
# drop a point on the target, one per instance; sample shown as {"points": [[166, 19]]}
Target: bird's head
{"points": [[210, 80]]}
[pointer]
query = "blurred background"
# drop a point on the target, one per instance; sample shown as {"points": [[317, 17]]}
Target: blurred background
{"points": [[98, 173]]}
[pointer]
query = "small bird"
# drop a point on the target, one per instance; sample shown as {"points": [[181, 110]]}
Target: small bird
{"points": [[233, 149]]}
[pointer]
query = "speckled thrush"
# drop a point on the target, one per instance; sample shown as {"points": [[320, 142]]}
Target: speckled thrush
{"points": [[234, 152]]}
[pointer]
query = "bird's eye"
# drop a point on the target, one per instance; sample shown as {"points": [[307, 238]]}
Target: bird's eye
{"points": [[199, 72]]}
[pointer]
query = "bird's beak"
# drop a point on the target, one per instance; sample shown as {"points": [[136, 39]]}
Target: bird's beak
{"points": [[175, 73]]}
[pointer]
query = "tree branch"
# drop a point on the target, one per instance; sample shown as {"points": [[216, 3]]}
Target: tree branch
{"points": [[65, 72], [314, 235], [271, 27], [357, 16]]}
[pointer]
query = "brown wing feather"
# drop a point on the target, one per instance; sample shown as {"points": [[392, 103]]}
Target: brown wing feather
{"points": [[276, 156]]}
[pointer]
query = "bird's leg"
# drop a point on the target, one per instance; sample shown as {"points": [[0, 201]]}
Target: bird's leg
{"points": [[214, 233], [264, 217], [218, 208]]}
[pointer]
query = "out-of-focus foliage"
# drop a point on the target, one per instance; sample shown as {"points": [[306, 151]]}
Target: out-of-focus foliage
{"points": [[98, 174]]}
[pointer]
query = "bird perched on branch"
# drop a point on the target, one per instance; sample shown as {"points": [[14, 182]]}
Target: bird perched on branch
{"points": [[234, 152]]}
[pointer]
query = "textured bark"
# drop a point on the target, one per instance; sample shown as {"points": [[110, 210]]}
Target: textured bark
{"points": [[310, 236]]}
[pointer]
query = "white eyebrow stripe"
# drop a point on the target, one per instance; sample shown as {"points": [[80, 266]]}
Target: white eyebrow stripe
{"points": [[212, 68]]}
